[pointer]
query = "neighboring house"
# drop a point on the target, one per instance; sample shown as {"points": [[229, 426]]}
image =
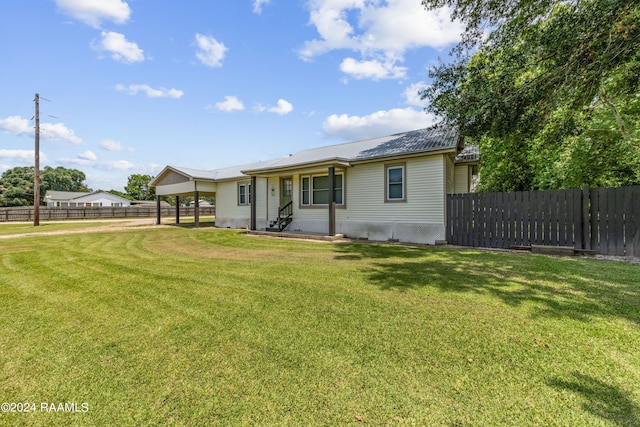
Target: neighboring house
{"points": [[392, 187], [70, 199]]}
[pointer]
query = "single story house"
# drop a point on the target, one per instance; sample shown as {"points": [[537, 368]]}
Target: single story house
{"points": [[387, 188], [71, 199]]}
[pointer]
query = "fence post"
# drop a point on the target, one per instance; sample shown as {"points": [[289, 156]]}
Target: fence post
{"points": [[585, 222]]}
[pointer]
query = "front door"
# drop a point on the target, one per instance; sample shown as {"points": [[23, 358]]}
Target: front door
{"points": [[286, 190]]}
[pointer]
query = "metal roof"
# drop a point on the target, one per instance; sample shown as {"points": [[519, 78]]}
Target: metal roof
{"points": [[470, 153], [74, 195], [435, 138], [64, 195]]}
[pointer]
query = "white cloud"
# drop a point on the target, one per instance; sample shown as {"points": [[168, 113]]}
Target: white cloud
{"points": [[111, 145], [49, 131], [24, 155], [412, 94], [381, 31], [257, 5], [16, 125], [93, 12], [85, 160], [284, 107], [88, 155], [59, 132], [211, 52], [230, 103], [150, 92], [374, 69], [377, 124], [117, 164], [120, 48]]}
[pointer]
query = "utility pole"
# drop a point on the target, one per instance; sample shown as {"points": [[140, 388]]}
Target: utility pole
{"points": [[36, 180]]}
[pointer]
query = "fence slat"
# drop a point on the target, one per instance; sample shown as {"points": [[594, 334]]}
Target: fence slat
{"points": [[633, 230]]}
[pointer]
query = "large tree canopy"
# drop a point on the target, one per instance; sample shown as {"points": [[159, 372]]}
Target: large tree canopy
{"points": [[138, 187], [549, 88], [16, 185], [62, 179]]}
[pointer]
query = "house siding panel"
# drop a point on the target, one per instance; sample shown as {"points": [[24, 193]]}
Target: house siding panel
{"points": [[419, 219], [228, 213], [450, 175], [462, 179]]}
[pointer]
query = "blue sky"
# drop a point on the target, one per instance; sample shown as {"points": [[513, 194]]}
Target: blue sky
{"points": [[130, 86]]}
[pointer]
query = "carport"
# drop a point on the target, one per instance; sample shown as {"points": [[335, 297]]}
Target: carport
{"points": [[183, 182]]}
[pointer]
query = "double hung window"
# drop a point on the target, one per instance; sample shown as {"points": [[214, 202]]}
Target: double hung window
{"points": [[315, 190]]}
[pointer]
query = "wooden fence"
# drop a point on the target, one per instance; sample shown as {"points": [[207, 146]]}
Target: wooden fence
{"points": [[25, 213], [602, 220]]}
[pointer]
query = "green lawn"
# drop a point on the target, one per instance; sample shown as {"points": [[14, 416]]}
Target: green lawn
{"points": [[182, 326], [8, 228]]}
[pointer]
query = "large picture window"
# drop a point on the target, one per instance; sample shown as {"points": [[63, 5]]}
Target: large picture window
{"points": [[244, 194], [315, 190], [395, 185]]}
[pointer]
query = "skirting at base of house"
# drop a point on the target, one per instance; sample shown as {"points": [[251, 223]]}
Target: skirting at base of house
{"points": [[378, 231], [421, 233], [239, 223], [408, 233]]}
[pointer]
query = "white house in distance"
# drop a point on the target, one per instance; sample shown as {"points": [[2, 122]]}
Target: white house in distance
{"points": [[388, 188], [70, 199]]}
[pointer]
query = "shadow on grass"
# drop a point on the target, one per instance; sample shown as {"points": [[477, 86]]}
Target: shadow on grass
{"points": [[558, 287], [192, 225], [604, 400]]}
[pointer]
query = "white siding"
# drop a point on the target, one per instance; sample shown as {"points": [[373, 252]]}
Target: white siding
{"points": [[419, 219], [102, 199], [259, 195], [462, 179], [274, 197], [450, 175], [424, 189], [228, 213]]}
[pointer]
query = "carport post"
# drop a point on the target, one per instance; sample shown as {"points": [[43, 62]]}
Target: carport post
{"points": [[196, 205], [158, 216], [253, 203], [332, 201], [177, 210]]}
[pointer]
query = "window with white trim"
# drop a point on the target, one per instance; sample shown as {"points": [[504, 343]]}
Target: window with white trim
{"points": [[395, 189], [315, 190], [244, 194]]}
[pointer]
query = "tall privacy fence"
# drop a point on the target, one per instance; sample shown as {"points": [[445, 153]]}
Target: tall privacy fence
{"points": [[601, 220], [25, 213]]}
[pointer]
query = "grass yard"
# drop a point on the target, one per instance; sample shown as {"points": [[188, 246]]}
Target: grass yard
{"points": [[9, 228], [181, 326]]}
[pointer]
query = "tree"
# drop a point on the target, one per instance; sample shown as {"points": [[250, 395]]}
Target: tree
{"points": [[138, 187], [120, 194], [16, 185], [62, 179], [551, 82]]}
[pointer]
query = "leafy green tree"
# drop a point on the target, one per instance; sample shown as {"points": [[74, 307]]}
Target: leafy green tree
{"points": [[62, 179], [120, 194], [138, 187], [16, 186], [548, 88]]}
